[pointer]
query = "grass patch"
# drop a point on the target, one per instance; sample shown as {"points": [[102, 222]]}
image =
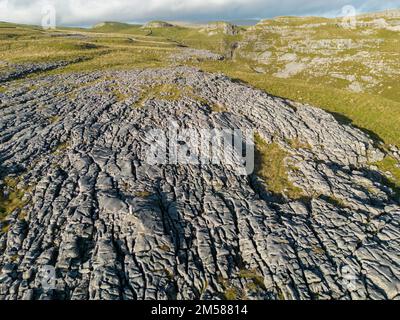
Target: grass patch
{"points": [[318, 250], [231, 292], [23, 215], [142, 194], [390, 166], [118, 94], [270, 166], [169, 274], [54, 119], [5, 228], [297, 144], [203, 288], [281, 295], [165, 248], [61, 147], [13, 198], [257, 279], [339, 203], [218, 107], [165, 92]]}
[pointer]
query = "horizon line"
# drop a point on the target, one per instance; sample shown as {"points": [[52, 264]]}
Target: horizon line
{"points": [[201, 21]]}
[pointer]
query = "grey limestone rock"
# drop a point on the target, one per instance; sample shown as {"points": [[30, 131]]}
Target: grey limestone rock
{"points": [[116, 227]]}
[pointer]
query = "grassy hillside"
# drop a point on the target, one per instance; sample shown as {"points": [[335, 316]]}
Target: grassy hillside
{"points": [[115, 27]]}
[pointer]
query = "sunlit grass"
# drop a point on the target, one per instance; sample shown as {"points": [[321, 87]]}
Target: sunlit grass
{"points": [[270, 166], [373, 113], [11, 198], [389, 164]]}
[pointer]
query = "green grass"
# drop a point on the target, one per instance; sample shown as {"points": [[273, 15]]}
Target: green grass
{"points": [[166, 92], [203, 288], [218, 107], [391, 165], [142, 194], [5, 228], [13, 200], [115, 27], [270, 166], [257, 280], [120, 96], [54, 119], [192, 37], [281, 295], [298, 144], [339, 203], [60, 148], [103, 51], [231, 294]]}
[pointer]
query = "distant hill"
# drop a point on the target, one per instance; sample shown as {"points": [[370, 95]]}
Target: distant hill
{"points": [[158, 24], [244, 22], [111, 26]]}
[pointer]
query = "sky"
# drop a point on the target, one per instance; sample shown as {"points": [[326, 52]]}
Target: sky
{"points": [[89, 12]]}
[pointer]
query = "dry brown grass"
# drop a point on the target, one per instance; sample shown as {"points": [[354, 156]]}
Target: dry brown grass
{"points": [[218, 107]]}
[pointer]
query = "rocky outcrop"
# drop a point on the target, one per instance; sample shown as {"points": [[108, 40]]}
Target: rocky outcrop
{"points": [[13, 72], [348, 50], [115, 227], [221, 27]]}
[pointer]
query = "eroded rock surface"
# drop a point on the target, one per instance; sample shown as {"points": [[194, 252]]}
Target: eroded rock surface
{"points": [[115, 227], [17, 71]]}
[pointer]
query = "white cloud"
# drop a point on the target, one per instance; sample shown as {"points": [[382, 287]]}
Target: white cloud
{"points": [[85, 12]]}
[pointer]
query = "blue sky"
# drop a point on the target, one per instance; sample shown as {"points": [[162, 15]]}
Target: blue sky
{"points": [[87, 12]]}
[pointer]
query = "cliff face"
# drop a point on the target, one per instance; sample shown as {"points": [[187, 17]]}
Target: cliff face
{"points": [[221, 27], [316, 218]]}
